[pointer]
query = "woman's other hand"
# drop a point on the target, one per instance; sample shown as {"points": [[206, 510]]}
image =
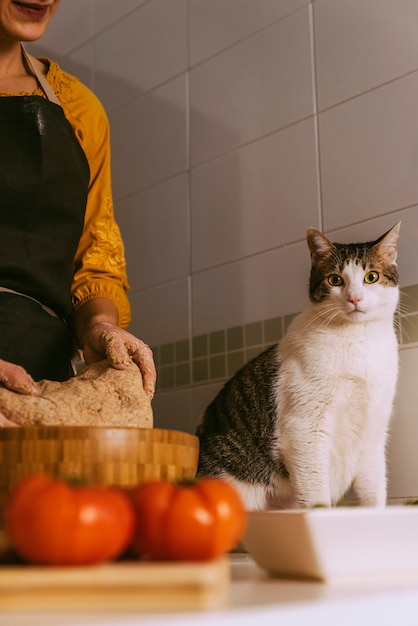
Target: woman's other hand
{"points": [[120, 347], [17, 379]]}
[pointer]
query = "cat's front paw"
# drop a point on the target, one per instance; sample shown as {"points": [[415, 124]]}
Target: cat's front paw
{"points": [[307, 503]]}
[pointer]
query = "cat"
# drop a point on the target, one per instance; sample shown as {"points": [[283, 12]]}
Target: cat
{"points": [[307, 419]]}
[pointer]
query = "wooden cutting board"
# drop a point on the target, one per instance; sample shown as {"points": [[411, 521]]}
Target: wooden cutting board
{"points": [[123, 585]]}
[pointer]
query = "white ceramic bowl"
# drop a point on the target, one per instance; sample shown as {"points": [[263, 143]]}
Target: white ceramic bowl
{"points": [[335, 543]]}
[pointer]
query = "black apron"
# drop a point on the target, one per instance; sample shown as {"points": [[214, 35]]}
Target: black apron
{"points": [[44, 176]]}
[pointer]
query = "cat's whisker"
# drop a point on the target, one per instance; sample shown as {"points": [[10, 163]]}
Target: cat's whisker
{"points": [[321, 313], [400, 329], [402, 326], [331, 313], [401, 323], [404, 309]]}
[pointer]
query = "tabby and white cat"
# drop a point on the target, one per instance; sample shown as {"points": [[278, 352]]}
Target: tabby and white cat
{"points": [[308, 418]]}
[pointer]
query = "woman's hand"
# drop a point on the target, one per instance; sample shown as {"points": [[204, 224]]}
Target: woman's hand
{"points": [[120, 347], [95, 326], [16, 378]]}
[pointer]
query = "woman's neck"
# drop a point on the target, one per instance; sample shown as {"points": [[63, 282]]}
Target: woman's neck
{"points": [[15, 76]]}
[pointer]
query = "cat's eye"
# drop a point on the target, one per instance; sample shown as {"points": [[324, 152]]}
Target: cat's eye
{"points": [[371, 277], [335, 280]]}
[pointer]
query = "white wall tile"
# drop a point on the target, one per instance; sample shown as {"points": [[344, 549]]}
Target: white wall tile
{"points": [[155, 228], [256, 198], [172, 410], [252, 89], [107, 12], [141, 51], [80, 63], [360, 45], [369, 156], [71, 26], [181, 409], [161, 314], [149, 138], [402, 448], [266, 285], [216, 24], [408, 247]]}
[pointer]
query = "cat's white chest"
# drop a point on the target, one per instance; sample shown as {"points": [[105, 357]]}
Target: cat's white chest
{"points": [[334, 394]]}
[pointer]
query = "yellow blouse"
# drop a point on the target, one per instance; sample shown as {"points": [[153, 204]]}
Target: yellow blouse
{"points": [[99, 264]]}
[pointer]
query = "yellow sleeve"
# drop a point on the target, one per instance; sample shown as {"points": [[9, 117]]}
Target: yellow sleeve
{"points": [[99, 265]]}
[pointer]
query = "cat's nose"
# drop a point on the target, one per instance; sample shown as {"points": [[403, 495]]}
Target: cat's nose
{"points": [[355, 299]]}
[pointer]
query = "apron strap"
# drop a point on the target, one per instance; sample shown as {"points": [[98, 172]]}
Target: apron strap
{"points": [[49, 92], [24, 295]]}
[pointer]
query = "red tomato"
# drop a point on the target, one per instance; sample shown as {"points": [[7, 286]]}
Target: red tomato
{"points": [[196, 521], [53, 522]]}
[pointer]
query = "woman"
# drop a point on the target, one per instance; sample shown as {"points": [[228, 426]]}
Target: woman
{"points": [[62, 268]]}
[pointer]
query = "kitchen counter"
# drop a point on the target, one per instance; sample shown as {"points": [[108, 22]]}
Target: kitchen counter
{"points": [[254, 596]]}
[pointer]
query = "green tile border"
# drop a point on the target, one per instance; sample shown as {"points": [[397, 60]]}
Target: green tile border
{"points": [[216, 356], [200, 346], [217, 342]]}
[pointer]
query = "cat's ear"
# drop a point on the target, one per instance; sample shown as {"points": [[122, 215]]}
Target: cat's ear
{"points": [[387, 244], [319, 245]]}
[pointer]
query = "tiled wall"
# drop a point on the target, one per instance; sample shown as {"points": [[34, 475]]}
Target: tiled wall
{"points": [[235, 126]]}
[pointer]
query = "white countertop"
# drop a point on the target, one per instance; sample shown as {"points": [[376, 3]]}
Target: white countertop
{"points": [[254, 597]]}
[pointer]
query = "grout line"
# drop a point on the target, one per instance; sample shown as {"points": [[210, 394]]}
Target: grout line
{"points": [[316, 119], [188, 103], [244, 38], [370, 90]]}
